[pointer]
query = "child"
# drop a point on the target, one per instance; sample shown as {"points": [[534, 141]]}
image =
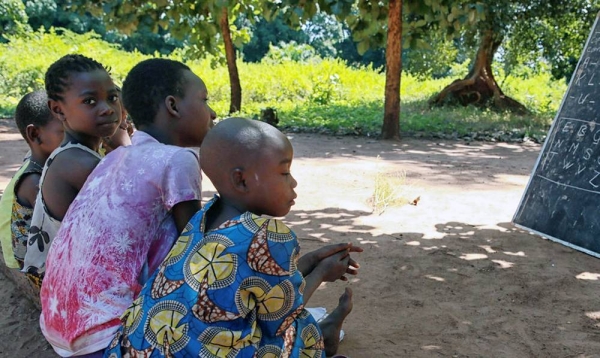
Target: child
{"points": [[129, 212], [85, 99], [231, 286], [43, 132], [122, 136]]}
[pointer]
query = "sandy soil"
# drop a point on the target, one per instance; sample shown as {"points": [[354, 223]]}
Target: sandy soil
{"points": [[449, 277]]}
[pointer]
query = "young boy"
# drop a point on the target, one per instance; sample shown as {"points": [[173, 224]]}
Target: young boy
{"points": [[43, 133], [233, 286]]}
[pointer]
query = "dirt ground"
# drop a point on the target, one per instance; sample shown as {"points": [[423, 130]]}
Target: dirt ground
{"points": [[448, 277]]}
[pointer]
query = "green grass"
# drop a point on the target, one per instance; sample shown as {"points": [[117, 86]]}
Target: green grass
{"points": [[318, 96]]}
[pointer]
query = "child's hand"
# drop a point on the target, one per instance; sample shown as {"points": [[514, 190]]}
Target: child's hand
{"points": [[334, 267], [308, 262]]}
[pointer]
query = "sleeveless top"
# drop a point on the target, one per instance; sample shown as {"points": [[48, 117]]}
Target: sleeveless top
{"points": [[20, 219], [43, 226], [5, 216]]}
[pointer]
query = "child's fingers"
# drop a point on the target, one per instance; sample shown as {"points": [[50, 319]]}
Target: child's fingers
{"points": [[339, 256], [352, 271], [332, 249], [353, 263], [345, 260], [354, 248]]}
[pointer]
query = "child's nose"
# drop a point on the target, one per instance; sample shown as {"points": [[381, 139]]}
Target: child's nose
{"points": [[294, 182], [106, 108]]}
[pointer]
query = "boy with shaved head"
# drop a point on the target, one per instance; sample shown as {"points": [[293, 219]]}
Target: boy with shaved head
{"points": [[233, 285]]}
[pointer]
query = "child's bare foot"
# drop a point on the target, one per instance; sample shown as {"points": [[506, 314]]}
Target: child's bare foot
{"points": [[332, 325]]}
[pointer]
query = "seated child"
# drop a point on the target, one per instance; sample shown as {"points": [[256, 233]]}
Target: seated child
{"points": [[43, 133], [85, 99], [122, 136], [129, 212], [6, 202], [231, 285]]}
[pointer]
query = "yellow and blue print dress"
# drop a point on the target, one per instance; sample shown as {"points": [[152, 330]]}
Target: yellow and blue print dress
{"points": [[234, 291]]}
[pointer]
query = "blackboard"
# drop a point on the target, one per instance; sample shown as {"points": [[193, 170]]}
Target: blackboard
{"points": [[562, 199]]}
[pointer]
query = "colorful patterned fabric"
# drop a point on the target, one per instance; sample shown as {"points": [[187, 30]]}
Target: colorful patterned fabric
{"points": [[119, 227], [20, 220], [234, 291], [5, 218]]}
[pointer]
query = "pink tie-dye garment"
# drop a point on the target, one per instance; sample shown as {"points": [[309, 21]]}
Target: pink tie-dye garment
{"points": [[114, 235]]}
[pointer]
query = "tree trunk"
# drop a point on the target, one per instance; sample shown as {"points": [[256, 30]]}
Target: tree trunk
{"points": [[393, 72], [234, 77], [480, 88]]}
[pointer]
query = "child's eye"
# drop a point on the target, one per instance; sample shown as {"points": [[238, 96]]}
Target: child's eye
{"points": [[89, 101], [114, 98]]}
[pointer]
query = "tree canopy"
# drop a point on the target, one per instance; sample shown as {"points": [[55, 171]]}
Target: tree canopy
{"points": [[13, 18], [532, 31]]}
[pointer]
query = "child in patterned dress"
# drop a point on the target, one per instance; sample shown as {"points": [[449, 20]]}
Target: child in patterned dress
{"points": [[43, 133], [233, 284]]}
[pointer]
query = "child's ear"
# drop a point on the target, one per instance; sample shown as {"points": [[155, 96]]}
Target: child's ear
{"points": [[55, 108], [32, 134], [171, 105], [238, 180]]}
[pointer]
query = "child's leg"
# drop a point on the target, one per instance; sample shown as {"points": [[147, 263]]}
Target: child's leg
{"points": [[332, 324]]}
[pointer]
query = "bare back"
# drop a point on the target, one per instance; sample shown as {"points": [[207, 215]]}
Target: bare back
{"points": [[66, 174]]}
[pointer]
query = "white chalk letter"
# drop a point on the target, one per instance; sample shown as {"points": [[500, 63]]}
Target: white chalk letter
{"points": [[595, 176]]}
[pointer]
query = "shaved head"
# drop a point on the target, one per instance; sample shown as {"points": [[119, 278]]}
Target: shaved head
{"points": [[237, 143]]}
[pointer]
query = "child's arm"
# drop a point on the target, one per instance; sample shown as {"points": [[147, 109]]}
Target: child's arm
{"points": [[182, 188], [183, 212], [309, 261], [64, 178], [28, 189]]}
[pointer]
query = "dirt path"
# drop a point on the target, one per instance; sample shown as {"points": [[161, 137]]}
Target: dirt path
{"points": [[449, 277]]}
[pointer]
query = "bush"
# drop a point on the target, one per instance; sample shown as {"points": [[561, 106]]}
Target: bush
{"points": [[24, 60]]}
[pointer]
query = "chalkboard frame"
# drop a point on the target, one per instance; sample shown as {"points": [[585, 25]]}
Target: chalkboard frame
{"points": [[547, 143]]}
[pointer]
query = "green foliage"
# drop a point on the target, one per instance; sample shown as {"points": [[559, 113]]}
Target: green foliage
{"points": [[317, 95], [266, 34], [13, 19], [59, 13], [290, 51], [22, 74]]}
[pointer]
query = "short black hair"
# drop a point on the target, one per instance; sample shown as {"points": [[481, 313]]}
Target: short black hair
{"points": [[148, 84], [33, 109], [57, 76]]}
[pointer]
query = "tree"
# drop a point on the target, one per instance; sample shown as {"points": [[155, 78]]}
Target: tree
{"points": [[535, 29], [265, 33], [393, 64], [13, 18], [386, 23], [52, 13], [206, 26]]}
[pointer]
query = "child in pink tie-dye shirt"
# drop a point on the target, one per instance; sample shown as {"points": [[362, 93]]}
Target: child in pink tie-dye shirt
{"points": [[129, 212]]}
